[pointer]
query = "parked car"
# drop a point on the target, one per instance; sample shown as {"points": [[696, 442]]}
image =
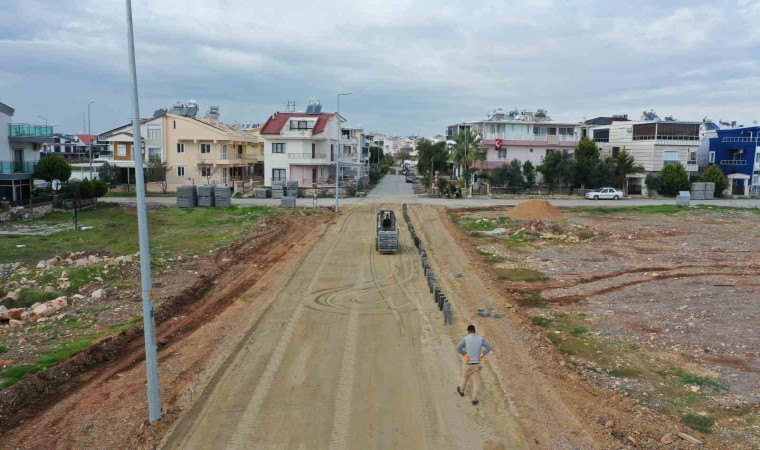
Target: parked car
{"points": [[411, 177], [605, 193]]}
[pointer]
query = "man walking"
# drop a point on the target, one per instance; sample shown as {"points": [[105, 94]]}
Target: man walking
{"points": [[470, 348]]}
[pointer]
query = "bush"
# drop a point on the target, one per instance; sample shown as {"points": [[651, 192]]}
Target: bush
{"points": [[374, 175], [99, 188], [713, 174], [653, 183], [674, 179], [53, 167]]}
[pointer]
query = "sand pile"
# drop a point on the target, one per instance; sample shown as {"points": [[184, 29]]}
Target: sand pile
{"points": [[535, 209]]}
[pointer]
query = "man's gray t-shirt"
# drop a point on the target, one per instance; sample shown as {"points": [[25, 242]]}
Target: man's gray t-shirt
{"points": [[471, 345]]}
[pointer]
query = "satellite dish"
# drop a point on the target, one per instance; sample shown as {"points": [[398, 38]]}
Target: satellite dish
{"points": [[56, 185]]}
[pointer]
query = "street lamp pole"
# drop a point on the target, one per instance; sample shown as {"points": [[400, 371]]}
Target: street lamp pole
{"points": [[44, 120], [149, 326], [337, 155], [89, 136]]}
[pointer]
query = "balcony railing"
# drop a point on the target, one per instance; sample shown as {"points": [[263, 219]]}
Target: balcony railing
{"points": [[733, 162], [531, 137], [307, 155], [325, 181], [8, 167], [29, 130], [741, 139]]}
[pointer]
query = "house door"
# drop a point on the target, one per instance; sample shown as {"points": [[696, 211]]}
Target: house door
{"points": [[313, 151], [314, 175], [737, 187], [18, 160]]}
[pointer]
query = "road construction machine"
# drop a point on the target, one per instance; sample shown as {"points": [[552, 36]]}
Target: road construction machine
{"points": [[386, 239]]}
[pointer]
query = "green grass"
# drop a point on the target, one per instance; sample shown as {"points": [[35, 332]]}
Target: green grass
{"points": [[703, 424], [12, 375], [483, 224], [176, 231], [532, 300], [60, 351], [28, 297], [3, 349], [540, 321], [526, 275], [653, 209], [577, 330], [490, 258]]}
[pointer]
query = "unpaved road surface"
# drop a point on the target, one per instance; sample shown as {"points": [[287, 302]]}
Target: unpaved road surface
{"points": [[350, 354]]}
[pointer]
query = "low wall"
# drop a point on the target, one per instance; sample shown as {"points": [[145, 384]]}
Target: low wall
{"points": [[26, 212]]}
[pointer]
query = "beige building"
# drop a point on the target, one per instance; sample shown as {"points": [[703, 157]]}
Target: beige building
{"points": [[197, 151]]}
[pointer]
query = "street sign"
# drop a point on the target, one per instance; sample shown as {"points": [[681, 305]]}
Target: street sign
{"points": [[56, 185]]}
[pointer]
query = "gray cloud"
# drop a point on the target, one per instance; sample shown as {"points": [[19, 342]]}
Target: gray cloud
{"points": [[413, 65]]}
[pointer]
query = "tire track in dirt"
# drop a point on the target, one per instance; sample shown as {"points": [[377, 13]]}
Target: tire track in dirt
{"points": [[247, 424], [342, 417]]}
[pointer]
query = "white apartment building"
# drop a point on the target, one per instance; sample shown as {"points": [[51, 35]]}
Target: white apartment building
{"points": [[521, 135]]}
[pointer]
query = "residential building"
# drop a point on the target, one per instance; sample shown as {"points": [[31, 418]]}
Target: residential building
{"points": [[197, 151], [653, 142], [737, 152], [522, 135], [304, 147], [20, 145], [75, 146]]}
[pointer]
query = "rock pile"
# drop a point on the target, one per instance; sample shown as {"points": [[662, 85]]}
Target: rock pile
{"points": [[38, 312]]}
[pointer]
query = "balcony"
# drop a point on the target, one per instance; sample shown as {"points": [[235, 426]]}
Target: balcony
{"points": [[489, 138], [307, 156], [11, 167], [733, 162], [27, 130]]}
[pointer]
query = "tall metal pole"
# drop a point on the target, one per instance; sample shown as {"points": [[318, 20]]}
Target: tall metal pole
{"points": [[89, 136], [44, 120], [337, 154], [151, 355]]}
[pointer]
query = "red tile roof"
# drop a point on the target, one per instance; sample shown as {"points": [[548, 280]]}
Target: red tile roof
{"points": [[86, 138], [278, 120]]}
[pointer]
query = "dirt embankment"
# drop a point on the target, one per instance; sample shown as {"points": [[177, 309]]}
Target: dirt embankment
{"points": [[100, 391]]}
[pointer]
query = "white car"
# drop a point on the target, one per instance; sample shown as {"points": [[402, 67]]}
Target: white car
{"points": [[605, 193]]}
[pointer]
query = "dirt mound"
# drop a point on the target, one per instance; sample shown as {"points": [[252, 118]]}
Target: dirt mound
{"points": [[535, 209]]}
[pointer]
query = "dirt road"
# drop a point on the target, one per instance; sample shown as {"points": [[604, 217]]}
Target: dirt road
{"points": [[350, 354]]}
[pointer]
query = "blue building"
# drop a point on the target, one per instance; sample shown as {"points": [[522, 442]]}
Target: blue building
{"points": [[737, 152]]}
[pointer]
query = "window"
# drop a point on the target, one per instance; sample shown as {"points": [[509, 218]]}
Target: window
{"points": [[121, 149], [565, 131], [205, 149], [621, 133], [206, 171], [757, 156], [692, 157], [669, 157], [278, 174], [180, 171], [278, 147], [154, 132], [602, 135], [711, 158], [175, 124], [180, 148], [756, 180], [615, 151], [501, 153], [154, 154], [301, 125], [223, 152]]}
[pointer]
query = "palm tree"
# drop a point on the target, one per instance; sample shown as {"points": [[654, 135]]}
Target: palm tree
{"points": [[467, 150]]}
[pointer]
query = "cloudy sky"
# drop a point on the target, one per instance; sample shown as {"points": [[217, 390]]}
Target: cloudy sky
{"points": [[413, 66]]}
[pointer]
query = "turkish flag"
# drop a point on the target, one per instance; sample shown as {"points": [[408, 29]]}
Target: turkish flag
{"points": [[499, 144]]}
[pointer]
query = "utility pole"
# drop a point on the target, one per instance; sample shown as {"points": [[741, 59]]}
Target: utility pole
{"points": [[151, 355], [89, 136], [337, 155], [44, 120]]}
